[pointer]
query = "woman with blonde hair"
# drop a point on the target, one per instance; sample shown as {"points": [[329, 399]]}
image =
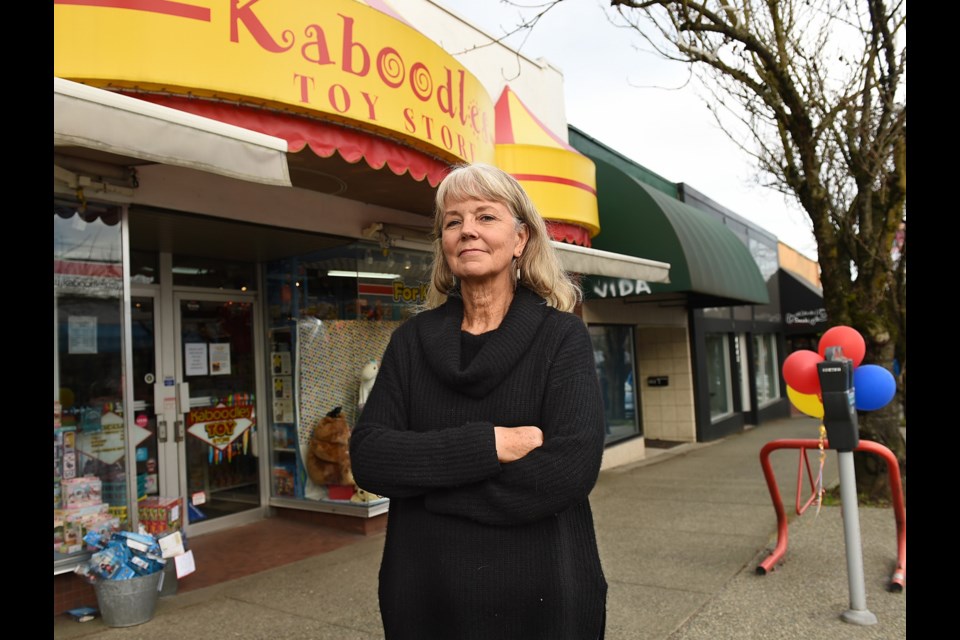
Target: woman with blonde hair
{"points": [[538, 267], [485, 429]]}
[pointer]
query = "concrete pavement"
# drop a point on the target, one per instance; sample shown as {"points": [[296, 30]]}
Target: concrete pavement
{"points": [[680, 535]]}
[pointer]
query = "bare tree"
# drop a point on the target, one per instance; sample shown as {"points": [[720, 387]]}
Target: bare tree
{"points": [[814, 91]]}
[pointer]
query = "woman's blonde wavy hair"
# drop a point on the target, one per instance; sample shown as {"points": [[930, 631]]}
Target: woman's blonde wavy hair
{"points": [[539, 266]]}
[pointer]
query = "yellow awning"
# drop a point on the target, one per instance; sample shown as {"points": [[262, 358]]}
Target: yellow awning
{"points": [[560, 180]]}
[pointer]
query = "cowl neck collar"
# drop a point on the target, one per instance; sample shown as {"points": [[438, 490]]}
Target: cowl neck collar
{"points": [[439, 336]]}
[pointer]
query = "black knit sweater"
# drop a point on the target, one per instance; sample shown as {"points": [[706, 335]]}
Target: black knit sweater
{"points": [[476, 549]]}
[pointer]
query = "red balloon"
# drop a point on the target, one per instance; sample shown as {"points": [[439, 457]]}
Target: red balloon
{"points": [[800, 371], [848, 339]]}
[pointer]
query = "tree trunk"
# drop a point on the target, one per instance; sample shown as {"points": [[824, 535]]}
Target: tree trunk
{"points": [[879, 325], [881, 426]]}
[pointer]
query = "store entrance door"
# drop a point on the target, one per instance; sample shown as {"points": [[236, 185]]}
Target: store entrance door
{"points": [[155, 401], [196, 409], [216, 368]]}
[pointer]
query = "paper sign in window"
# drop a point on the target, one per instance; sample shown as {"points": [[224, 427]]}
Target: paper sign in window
{"points": [[195, 358], [82, 334], [220, 358]]}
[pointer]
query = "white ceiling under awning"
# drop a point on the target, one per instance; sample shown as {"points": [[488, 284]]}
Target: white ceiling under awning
{"points": [[594, 262], [92, 118]]}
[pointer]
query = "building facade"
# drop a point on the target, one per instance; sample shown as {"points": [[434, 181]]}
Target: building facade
{"points": [[709, 343], [242, 204]]}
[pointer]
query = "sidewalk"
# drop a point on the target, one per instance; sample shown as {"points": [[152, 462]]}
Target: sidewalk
{"points": [[680, 534]]}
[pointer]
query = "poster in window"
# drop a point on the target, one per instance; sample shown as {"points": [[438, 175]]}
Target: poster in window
{"points": [[283, 398], [281, 363], [195, 358], [282, 387], [283, 410], [220, 358], [82, 334]]}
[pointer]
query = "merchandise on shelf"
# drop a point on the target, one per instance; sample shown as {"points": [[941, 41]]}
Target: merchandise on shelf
{"points": [[158, 514], [64, 452], [284, 436], [79, 506], [84, 491], [284, 479], [115, 491], [70, 525]]}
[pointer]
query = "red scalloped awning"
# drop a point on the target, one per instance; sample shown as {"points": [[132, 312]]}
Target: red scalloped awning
{"points": [[323, 138], [569, 233]]}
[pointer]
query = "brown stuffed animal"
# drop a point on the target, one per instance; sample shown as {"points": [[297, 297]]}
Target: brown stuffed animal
{"points": [[328, 456]]}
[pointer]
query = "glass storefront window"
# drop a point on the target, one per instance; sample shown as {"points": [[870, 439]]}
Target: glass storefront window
{"points": [[765, 255], [718, 313], [330, 314], [192, 271], [613, 354], [718, 375], [742, 368], [89, 467], [144, 267], [765, 368]]}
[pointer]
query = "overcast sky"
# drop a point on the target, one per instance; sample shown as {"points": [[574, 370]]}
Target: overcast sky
{"points": [[614, 93]]}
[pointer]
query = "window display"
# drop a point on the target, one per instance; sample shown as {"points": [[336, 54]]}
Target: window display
{"points": [[331, 314], [89, 446], [766, 369], [719, 375], [613, 351]]}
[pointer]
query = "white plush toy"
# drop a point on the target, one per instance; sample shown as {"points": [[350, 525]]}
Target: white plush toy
{"points": [[368, 375]]}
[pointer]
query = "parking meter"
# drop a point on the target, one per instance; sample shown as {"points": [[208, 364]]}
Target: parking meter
{"points": [[839, 400], [840, 421]]}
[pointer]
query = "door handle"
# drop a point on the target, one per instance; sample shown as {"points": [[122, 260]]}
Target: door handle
{"points": [[162, 430], [183, 397], [178, 432]]}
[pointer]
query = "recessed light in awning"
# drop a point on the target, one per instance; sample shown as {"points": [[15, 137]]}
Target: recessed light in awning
{"points": [[363, 274]]}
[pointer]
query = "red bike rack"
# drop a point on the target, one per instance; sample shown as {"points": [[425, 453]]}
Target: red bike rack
{"points": [[899, 578]]}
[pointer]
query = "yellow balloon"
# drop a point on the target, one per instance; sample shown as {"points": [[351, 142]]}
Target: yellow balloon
{"points": [[808, 403]]}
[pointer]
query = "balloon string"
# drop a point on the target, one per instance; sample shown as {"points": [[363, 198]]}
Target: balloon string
{"points": [[823, 459]]}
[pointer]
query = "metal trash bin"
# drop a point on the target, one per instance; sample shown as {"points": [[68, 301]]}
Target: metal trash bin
{"points": [[126, 603], [168, 587]]}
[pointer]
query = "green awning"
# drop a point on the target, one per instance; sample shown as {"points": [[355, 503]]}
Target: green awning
{"points": [[708, 262]]}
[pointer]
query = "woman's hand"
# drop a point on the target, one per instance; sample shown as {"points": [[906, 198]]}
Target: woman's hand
{"points": [[515, 442]]}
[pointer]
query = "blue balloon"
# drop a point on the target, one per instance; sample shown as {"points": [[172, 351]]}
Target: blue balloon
{"points": [[873, 387]]}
